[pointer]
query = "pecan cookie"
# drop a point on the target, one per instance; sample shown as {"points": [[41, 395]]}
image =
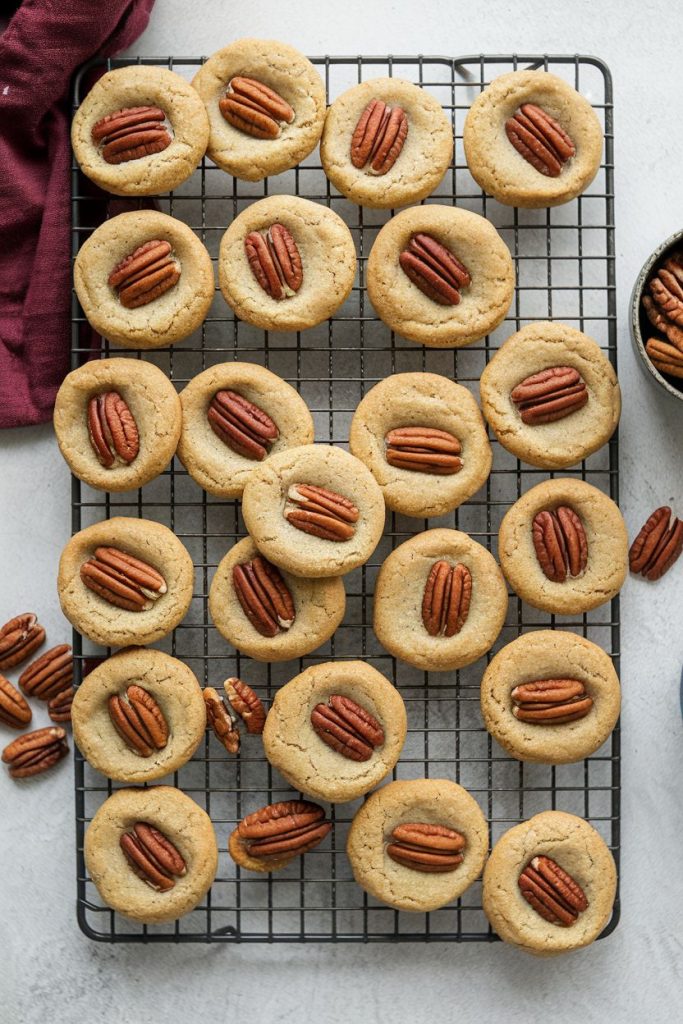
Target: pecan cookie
{"points": [[286, 263], [125, 581], [386, 143], [440, 276], [268, 614], [423, 439], [551, 697], [151, 853], [117, 422], [334, 731], [418, 845], [550, 395], [440, 601], [139, 131], [563, 547], [266, 107], [144, 280], [138, 716], [235, 415], [550, 884], [531, 140]]}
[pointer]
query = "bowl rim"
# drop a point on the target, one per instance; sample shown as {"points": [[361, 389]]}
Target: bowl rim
{"points": [[636, 334]]}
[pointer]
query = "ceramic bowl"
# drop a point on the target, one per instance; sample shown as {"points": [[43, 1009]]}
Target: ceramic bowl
{"points": [[641, 328]]}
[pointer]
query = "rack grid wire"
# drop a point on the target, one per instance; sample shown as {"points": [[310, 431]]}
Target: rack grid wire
{"points": [[565, 266]]}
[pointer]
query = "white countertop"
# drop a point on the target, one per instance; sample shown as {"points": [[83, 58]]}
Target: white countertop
{"points": [[50, 971]]}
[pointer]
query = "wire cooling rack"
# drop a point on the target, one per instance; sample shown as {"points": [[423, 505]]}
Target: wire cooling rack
{"points": [[564, 261]]}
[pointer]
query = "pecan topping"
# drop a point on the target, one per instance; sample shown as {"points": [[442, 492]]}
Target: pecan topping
{"points": [[665, 358], [550, 395], [379, 137], [446, 600], [49, 673], [14, 711], [290, 827], [59, 706], [264, 596], [424, 450], [540, 139], [247, 705], [431, 849], [434, 269], [666, 289], [551, 701], [347, 727], [152, 856], [240, 424], [19, 638], [658, 545], [552, 892], [148, 272], [35, 752], [322, 513], [131, 133], [255, 108], [560, 542], [221, 721], [275, 261], [122, 580], [139, 720], [113, 430]]}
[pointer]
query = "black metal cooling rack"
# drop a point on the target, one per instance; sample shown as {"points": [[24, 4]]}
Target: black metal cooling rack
{"points": [[565, 266]]}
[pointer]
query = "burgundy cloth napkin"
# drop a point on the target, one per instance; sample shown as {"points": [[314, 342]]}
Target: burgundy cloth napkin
{"points": [[42, 46]]}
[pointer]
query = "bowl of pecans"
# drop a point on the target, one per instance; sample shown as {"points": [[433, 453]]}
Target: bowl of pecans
{"points": [[657, 315]]}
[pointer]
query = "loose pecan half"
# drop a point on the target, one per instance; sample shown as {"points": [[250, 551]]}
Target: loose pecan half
{"points": [[550, 395], [122, 580], [247, 704], [321, 512], [552, 892], [59, 706], [424, 450], [431, 849], [666, 289], [49, 673], [669, 329], [658, 545], [221, 721], [243, 426], [560, 543], [113, 431], [551, 701], [19, 638], [139, 720], [131, 133], [14, 711], [255, 108], [664, 357], [379, 137], [148, 272], [434, 269], [264, 596], [290, 827], [35, 752], [446, 599], [540, 139], [275, 261], [152, 856], [347, 727]]}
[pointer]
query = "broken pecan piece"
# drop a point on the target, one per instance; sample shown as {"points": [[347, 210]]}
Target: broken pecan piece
{"points": [[113, 431], [275, 261], [14, 711], [540, 139], [19, 638], [379, 137], [658, 545], [152, 856], [321, 512], [221, 721], [446, 599], [255, 108], [122, 580], [49, 673], [552, 892], [243, 426], [247, 704], [35, 752], [434, 269], [264, 596], [131, 133], [551, 701], [347, 727], [550, 395], [424, 450], [139, 720], [431, 849], [148, 272], [291, 827], [560, 543], [59, 706]]}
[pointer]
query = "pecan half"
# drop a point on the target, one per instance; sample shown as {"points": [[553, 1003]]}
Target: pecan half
{"points": [[255, 108], [14, 711], [552, 892], [113, 431], [275, 261], [446, 599], [666, 358], [321, 512], [379, 137], [19, 638], [264, 596], [122, 580], [49, 673], [290, 827], [550, 395], [424, 450], [560, 543], [669, 329], [148, 272], [246, 429], [35, 752], [434, 269], [431, 849], [139, 720], [666, 289], [658, 545], [59, 706], [247, 704], [221, 721], [347, 727], [551, 701], [131, 133], [152, 856], [540, 139]]}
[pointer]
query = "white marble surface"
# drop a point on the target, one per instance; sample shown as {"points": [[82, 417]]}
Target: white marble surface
{"points": [[50, 971]]}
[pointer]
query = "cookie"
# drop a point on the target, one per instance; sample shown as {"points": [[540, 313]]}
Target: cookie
{"points": [[158, 730], [418, 845], [336, 730], [440, 601], [550, 395], [440, 276], [531, 140], [314, 511], [183, 874], [563, 547], [571, 845], [117, 423], [144, 280], [266, 107], [423, 439], [125, 581], [139, 131], [286, 263]]}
